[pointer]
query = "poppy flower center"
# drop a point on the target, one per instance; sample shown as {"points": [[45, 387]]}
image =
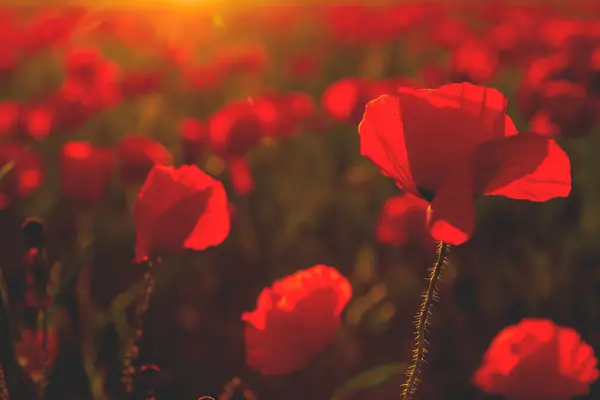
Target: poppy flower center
{"points": [[426, 194]]}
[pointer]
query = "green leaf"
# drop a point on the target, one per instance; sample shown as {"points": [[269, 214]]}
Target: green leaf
{"points": [[67, 274], [370, 378]]}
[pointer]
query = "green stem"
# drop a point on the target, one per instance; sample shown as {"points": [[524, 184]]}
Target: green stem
{"points": [[132, 347], [422, 321], [4, 394]]}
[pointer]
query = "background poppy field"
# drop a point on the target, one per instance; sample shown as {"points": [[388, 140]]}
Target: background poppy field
{"points": [[266, 98]]}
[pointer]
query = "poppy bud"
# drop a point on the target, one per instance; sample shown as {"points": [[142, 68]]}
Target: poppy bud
{"points": [[33, 232]]}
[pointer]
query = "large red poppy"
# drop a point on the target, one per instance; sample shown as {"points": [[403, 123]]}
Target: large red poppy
{"points": [[295, 319], [452, 143], [537, 359], [178, 209]]}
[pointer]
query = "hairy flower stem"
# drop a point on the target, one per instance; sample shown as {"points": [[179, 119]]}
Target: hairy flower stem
{"points": [[422, 321], [4, 394], [232, 387], [132, 347]]}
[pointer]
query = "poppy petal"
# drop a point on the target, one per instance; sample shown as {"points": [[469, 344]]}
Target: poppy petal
{"points": [[382, 139], [451, 215], [523, 167], [487, 103]]}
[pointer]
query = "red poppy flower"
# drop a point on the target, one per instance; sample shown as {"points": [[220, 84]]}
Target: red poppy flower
{"points": [[48, 28], [450, 144], [25, 177], [95, 77], [241, 176], [474, 58], [402, 221], [75, 102], [238, 127], [568, 107], [85, 172], [537, 74], [136, 155], [554, 32], [37, 122], [542, 124], [9, 118], [295, 319], [139, 83], [84, 64], [178, 209], [537, 359], [284, 113], [193, 139], [448, 33], [11, 35]]}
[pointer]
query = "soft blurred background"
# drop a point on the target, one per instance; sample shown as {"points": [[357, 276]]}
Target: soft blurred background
{"points": [[300, 192]]}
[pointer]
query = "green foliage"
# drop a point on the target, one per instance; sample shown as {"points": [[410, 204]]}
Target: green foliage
{"points": [[369, 379]]}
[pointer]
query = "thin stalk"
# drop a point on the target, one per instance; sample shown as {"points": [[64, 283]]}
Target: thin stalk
{"points": [[423, 319], [132, 347]]}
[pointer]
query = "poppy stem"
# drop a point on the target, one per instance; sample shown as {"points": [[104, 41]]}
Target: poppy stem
{"points": [[422, 321], [6, 334], [3, 387], [132, 347], [232, 386]]}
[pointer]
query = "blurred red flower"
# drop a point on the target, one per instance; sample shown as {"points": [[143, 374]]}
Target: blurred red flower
{"points": [[345, 100], [193, 139], [9, 118], [451, 143], [284, 113], [561, 91], [295, 319], [178, 209], [234, 130], [136, 155], [50, 28], [26, 175], [11, 35], [568, 108], [91, 79], [475, 59], [139, 83], [85, 172], [448, 33], [536, 74], [537, 359], [403, 220], [239, 126], [84, 64], [38, 122]]}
